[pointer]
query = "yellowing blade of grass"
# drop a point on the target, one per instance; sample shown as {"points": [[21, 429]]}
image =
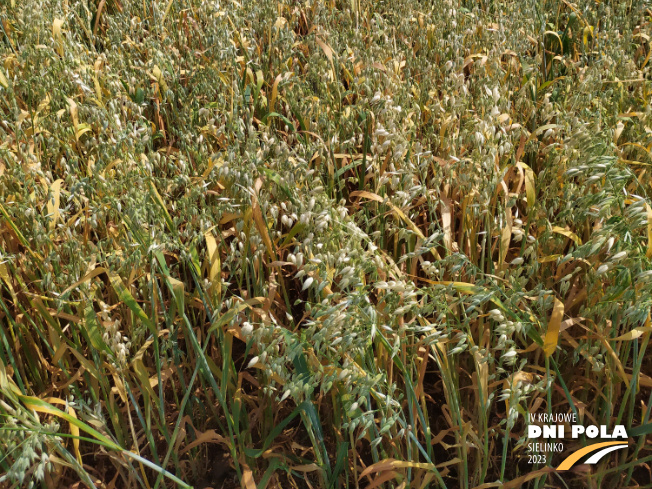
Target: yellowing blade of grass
{"points": [[6, 278], [6, 382], [529, 184], [74, 429], [74, 112], [157, 76], [261, 226], [57, 35], [462, 287], [385, 477], [396, 210], [159, 201], [93, 273], [53, 203], [614, 357], [3, 80], [569, 234], [633, 334], [214, 264], [554, 324], [43, 406], [446, 219], [328, 51], [505, 238], [179, 294], [209, 436], [391, 464], [272, 100]]}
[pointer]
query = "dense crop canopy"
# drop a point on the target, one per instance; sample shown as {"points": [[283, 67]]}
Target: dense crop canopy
{"points": [[321, 244]]}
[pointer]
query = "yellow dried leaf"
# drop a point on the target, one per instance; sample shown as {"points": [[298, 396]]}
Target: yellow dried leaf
{"points": [[214, 264], [74, 430], [391, 464], [619, 130], [262, 227], [209, 436], [248, 478], [505, 239], [74, 112], [529, 184], [446, 219], [57, 35], [274, 92], [588, 32], [633, 334], [54, 202], [6, 278], [157, 75], [328, 51], [569, 234], [554, 325], [396, 210]]}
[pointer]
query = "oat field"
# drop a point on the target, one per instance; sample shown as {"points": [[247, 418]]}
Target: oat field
{"points": [[323, 243]]}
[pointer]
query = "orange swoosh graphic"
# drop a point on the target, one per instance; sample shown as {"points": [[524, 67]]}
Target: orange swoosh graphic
{"points": [[571, 459]]}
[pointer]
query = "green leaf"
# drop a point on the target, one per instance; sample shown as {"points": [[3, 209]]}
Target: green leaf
{"points": [[125, 296]]}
